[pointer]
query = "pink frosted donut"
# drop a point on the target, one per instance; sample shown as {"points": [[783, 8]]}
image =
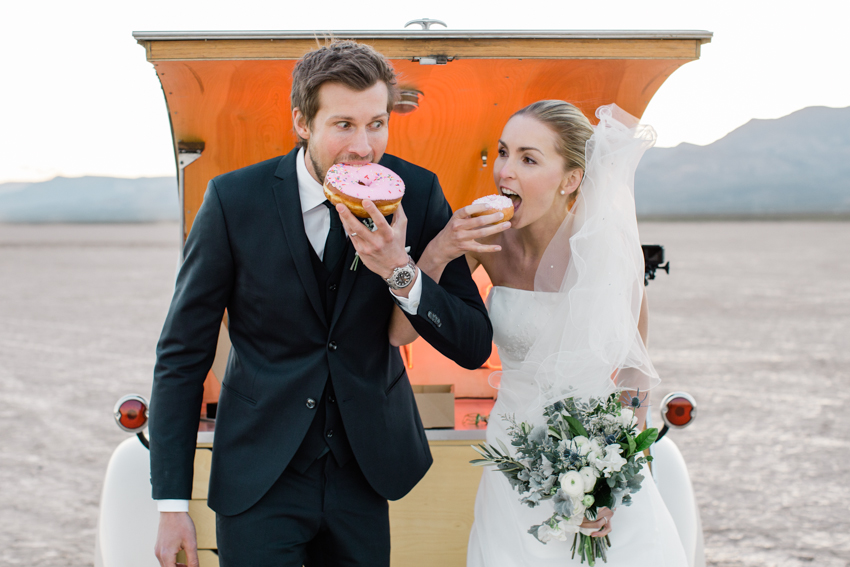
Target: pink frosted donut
{"points": [[350, 184], [496, 203]]}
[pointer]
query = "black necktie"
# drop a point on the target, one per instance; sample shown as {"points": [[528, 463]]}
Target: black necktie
{"points": [[335, 243]]}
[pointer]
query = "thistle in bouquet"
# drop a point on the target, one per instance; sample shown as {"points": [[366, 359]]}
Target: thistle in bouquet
{"points": [[588, 455]]}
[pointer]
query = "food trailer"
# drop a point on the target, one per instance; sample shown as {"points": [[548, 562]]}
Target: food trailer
{"points": [[227, 97]]}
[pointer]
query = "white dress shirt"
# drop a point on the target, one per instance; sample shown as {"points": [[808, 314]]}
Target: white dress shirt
{"points": [[317, 224]]}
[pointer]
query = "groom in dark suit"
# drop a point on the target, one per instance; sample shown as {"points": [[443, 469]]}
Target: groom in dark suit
{"points": [[317, 426]]}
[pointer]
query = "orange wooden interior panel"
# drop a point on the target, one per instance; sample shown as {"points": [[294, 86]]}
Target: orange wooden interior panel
{"points": [[240, 109], [427, 366]]}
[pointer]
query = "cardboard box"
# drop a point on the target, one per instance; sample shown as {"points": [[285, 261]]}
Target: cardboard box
{"points": [[436, 405]]}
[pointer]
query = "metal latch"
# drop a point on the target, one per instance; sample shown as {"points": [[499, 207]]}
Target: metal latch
{"points": [[426, 23], [433, 60]]}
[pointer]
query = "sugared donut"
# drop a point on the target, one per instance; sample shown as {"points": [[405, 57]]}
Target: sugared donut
{"points": [[495, 203], [350, 184]]}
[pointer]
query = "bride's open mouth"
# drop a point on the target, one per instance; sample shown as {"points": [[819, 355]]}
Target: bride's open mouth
{"points": [[513, 196]]}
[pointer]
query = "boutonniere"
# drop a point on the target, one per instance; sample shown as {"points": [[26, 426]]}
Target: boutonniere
{"points": [[372, 228], [370, 224]]}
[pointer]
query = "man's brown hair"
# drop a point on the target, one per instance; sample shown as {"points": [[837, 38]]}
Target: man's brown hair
{"points": [[355, 65]]}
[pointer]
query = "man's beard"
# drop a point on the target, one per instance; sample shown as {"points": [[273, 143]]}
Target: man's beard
{"points": [[322, 170]]}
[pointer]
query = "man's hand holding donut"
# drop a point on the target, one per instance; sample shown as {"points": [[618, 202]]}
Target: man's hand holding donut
{"points": [[382, 251]]}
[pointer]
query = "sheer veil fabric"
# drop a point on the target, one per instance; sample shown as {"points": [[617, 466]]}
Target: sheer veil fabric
{"points": [[592, 273]]}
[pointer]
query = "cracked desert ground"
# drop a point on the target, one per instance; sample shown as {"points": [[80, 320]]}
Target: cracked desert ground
{"points": [[754, 321]]}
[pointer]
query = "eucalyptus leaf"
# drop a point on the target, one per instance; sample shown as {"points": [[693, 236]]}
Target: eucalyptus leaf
{"points": [[502, 445], [479, 451]]}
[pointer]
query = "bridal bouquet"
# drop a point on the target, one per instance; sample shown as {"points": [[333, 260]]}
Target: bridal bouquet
{"points": [[587, 456]]}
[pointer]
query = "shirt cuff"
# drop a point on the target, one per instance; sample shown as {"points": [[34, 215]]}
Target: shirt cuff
{"points": [[411, 302], [172, 505]]}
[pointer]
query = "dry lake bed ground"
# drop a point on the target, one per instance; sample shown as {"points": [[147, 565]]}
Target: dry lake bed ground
{"points": [[753, 320]]}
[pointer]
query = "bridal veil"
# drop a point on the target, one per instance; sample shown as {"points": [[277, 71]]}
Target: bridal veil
{"points": [[590, 346]]}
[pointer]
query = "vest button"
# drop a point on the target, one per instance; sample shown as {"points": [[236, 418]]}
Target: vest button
{"points": [[332, 345], [330, 433], [311, 403]]}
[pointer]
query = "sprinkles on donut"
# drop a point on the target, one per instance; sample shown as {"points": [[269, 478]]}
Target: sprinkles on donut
{"points": [[349, 184]]}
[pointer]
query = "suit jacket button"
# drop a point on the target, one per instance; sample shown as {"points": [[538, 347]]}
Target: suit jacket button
{"points": [[332, 345], [311, 403], [330, 433], [332, 287]]}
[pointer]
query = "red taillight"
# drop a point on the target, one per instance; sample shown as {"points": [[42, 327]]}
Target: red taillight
{"points": [[131, 413], [678, 409]]}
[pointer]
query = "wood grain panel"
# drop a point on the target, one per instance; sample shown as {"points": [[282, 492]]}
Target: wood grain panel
{"points": [[201, 479], [204, 519], [206, 558], [430, 526], [241, 110], [479, 48]]}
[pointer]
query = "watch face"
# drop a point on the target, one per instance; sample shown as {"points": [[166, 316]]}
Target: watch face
{"points": [[403, 277]]}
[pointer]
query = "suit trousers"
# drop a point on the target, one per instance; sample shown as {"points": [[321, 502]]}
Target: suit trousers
{"points": [[327, 516]]}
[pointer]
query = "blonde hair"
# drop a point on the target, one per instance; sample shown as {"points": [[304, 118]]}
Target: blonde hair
{"points": [[571, 127]]}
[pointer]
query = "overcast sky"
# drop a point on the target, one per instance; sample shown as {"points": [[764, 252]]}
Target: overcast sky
{"points": [[77, 96]]}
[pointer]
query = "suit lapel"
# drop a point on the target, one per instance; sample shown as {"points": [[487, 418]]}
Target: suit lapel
{"points": [[289, 208], [348, 278], [346, 282]]}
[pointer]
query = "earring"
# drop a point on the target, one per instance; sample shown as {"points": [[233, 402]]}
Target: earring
{"points": [[563, 192]]}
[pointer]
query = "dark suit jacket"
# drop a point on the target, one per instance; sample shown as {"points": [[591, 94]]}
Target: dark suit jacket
{"points": [[248, 252]]}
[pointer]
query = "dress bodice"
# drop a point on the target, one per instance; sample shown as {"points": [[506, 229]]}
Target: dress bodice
{"points": [[518, 316]]}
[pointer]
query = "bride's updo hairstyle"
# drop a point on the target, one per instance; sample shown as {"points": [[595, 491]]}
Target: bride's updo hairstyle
{"points": [[571, 127]]}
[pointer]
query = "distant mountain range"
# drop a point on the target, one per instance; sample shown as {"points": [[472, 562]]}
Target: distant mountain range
{"points": [[90, 199], [798, 165], [795, 165]]}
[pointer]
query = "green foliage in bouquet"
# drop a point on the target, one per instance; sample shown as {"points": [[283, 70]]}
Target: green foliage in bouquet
{"points": [[587, 455]]}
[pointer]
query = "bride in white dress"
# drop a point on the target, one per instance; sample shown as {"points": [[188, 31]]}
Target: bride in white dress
{"points": [[568, 313]]}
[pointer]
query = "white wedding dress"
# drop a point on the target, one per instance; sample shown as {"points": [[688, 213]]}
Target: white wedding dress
{"points": [[643, 534]]}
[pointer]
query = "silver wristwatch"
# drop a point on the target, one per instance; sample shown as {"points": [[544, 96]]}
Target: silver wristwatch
{"points": [[402, 277]]}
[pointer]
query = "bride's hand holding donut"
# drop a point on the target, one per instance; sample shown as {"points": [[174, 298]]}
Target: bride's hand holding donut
{"points": [[464, 229]]}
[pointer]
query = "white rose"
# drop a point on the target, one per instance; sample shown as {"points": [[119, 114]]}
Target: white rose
{"points": [[627, 418], [572, 484], [589, 476], [547, 533], [582, 444], [612, 461], [578, 514]]}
